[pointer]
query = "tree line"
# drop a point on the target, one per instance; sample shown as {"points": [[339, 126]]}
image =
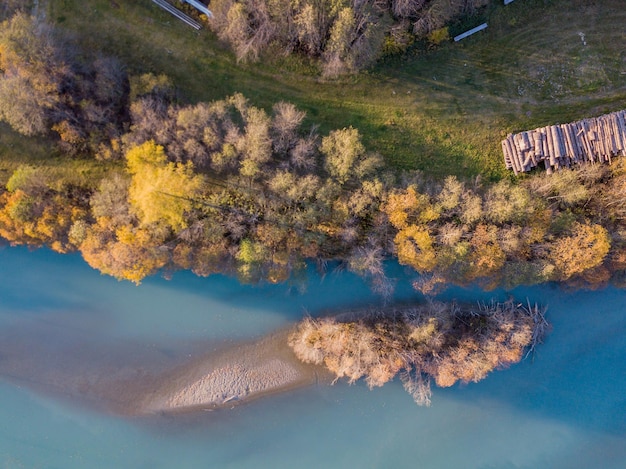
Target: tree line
{"points": [[229, 187], [342, 35]]}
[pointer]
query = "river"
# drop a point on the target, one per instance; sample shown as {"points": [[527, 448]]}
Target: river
{"points": [[565, 407]]}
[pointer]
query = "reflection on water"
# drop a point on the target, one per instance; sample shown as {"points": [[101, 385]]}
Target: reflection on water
{"points": [[564, 408]]}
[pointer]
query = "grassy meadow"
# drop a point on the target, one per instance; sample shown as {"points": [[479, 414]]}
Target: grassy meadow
{"points": [[442, 110]]}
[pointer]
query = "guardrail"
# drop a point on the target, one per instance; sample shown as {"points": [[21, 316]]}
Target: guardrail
{"points": [[470, 32], [178, 14]]}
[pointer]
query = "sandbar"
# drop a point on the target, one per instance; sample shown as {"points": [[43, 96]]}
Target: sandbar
{"points": [[230, 377]]}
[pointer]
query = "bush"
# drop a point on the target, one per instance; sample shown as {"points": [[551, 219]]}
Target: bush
{"points": [[438, 36]]}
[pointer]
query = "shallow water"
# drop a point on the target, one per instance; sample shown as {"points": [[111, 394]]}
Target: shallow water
{"points": [[564, 408]]}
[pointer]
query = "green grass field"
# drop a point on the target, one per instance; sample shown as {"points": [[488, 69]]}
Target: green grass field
{"points": [[443, 111]]}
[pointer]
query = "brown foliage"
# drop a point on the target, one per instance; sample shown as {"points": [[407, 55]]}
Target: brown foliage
{"points": [[585, 248], [44, 220], [127, 253], [438, 340]]}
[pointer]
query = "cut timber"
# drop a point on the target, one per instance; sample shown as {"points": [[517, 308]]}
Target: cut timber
{"points": [[538, 144], [592, 140]]}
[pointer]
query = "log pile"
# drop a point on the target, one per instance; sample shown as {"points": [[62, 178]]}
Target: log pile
{"points": [[594, 140]]}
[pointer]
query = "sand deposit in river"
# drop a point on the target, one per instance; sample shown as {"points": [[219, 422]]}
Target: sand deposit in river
{"points": [[233, 375]]}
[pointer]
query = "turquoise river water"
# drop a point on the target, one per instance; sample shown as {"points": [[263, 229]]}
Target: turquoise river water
{"points": [[563, 408]]}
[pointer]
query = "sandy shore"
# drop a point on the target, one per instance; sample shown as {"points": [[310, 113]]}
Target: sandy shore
{"points": [[231, 376]]}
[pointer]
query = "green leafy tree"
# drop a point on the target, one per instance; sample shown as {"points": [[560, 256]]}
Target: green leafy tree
{"points": [[346, 157]]}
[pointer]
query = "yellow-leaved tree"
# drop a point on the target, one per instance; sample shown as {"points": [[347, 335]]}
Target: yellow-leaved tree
{"points": [[161, 191], [415, 248], [407, 206], [584, 249]]}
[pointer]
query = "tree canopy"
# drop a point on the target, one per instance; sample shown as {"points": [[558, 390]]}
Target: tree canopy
{"points": [[161, 191]]}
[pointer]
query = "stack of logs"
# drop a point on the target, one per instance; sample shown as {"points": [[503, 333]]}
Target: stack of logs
{"points": [[593, 140]]}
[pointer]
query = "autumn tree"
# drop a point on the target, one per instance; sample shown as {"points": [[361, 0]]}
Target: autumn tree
{"points": [[34, 213], [506, 202], [404, 207], [585, 248], [126, 253], [486, 257], [110, 201], [32, 71], [415, 248], [345, 156], [285, 127], [161, 191], [445, 342], [311, 25], [248, 27], [345, 36], [45, 85]]}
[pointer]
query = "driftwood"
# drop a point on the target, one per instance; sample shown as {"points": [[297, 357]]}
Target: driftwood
{"points": [[595, 140]]}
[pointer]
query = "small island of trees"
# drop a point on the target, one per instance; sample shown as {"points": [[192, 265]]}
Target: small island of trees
{"points": [[440, 341]]}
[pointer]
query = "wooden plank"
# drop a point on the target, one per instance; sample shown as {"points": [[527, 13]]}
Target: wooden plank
{"points": [[519, 144], [577, 147], [582, 139], [621, 125], [621, 133], [588, 136], [571, 132], [561, 138], [592, 136], [548, 166], [619, 142], [612, 139], [602, 142], [573, 142]]}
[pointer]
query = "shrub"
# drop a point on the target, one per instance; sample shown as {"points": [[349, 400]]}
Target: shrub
{"points": [[438, 36]]}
